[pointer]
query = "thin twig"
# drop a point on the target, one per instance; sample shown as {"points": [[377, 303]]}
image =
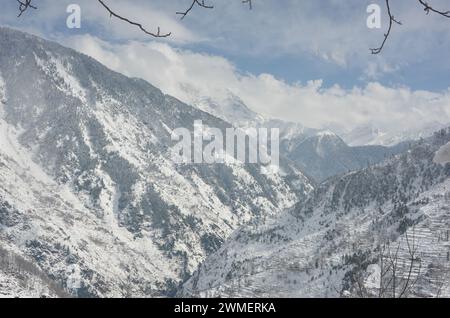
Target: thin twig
{"points": [[392, 20], [24, 5], [428, 9], [199, 3], [157, 34], [250, 3]]}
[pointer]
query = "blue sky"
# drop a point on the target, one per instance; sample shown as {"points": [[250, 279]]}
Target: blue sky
{"points": [[277, 39], [300, 57]]}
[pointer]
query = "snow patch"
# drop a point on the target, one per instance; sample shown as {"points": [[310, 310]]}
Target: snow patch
{"points": [[10, 146], [373, 279], [326, 133], [443, 155], [55, 68], [2, 93]]}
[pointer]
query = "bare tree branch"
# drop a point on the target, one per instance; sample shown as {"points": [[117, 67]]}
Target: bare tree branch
{"points": [[158, 34], [428, 9], [392, 20], [193, 4], [412, 250], [250, 3], [392, 274], [24, 5], [202, 4]]}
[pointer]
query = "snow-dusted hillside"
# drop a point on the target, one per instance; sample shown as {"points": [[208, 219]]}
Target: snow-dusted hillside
{"points": [[326, 246], [90, 193], [231, 109], [324, 155], [367, 135], [23, 279]]}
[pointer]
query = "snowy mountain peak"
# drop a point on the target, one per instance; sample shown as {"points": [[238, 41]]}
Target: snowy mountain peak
{"points": [[368, 135], [231, 109], [326, 133]]}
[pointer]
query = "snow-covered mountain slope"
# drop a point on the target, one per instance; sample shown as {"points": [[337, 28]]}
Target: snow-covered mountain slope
{"points": [[22, 278], [322, 247], [231, 109], [325, 155], [92, 195]]}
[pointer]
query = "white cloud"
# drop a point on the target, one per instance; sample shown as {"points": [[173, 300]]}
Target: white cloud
{"points": [[172, 70]]}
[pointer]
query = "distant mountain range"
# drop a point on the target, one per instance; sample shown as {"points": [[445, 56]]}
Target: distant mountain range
{"points": [[320, 154], [367, 135], [325, 155]]}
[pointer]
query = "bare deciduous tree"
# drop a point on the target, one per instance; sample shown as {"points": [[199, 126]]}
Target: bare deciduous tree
{"points": [[397, 277], [394, 280]]}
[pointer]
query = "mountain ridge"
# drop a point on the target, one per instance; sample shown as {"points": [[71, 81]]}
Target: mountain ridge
{"points": [[329, 245], [105, 206]]}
